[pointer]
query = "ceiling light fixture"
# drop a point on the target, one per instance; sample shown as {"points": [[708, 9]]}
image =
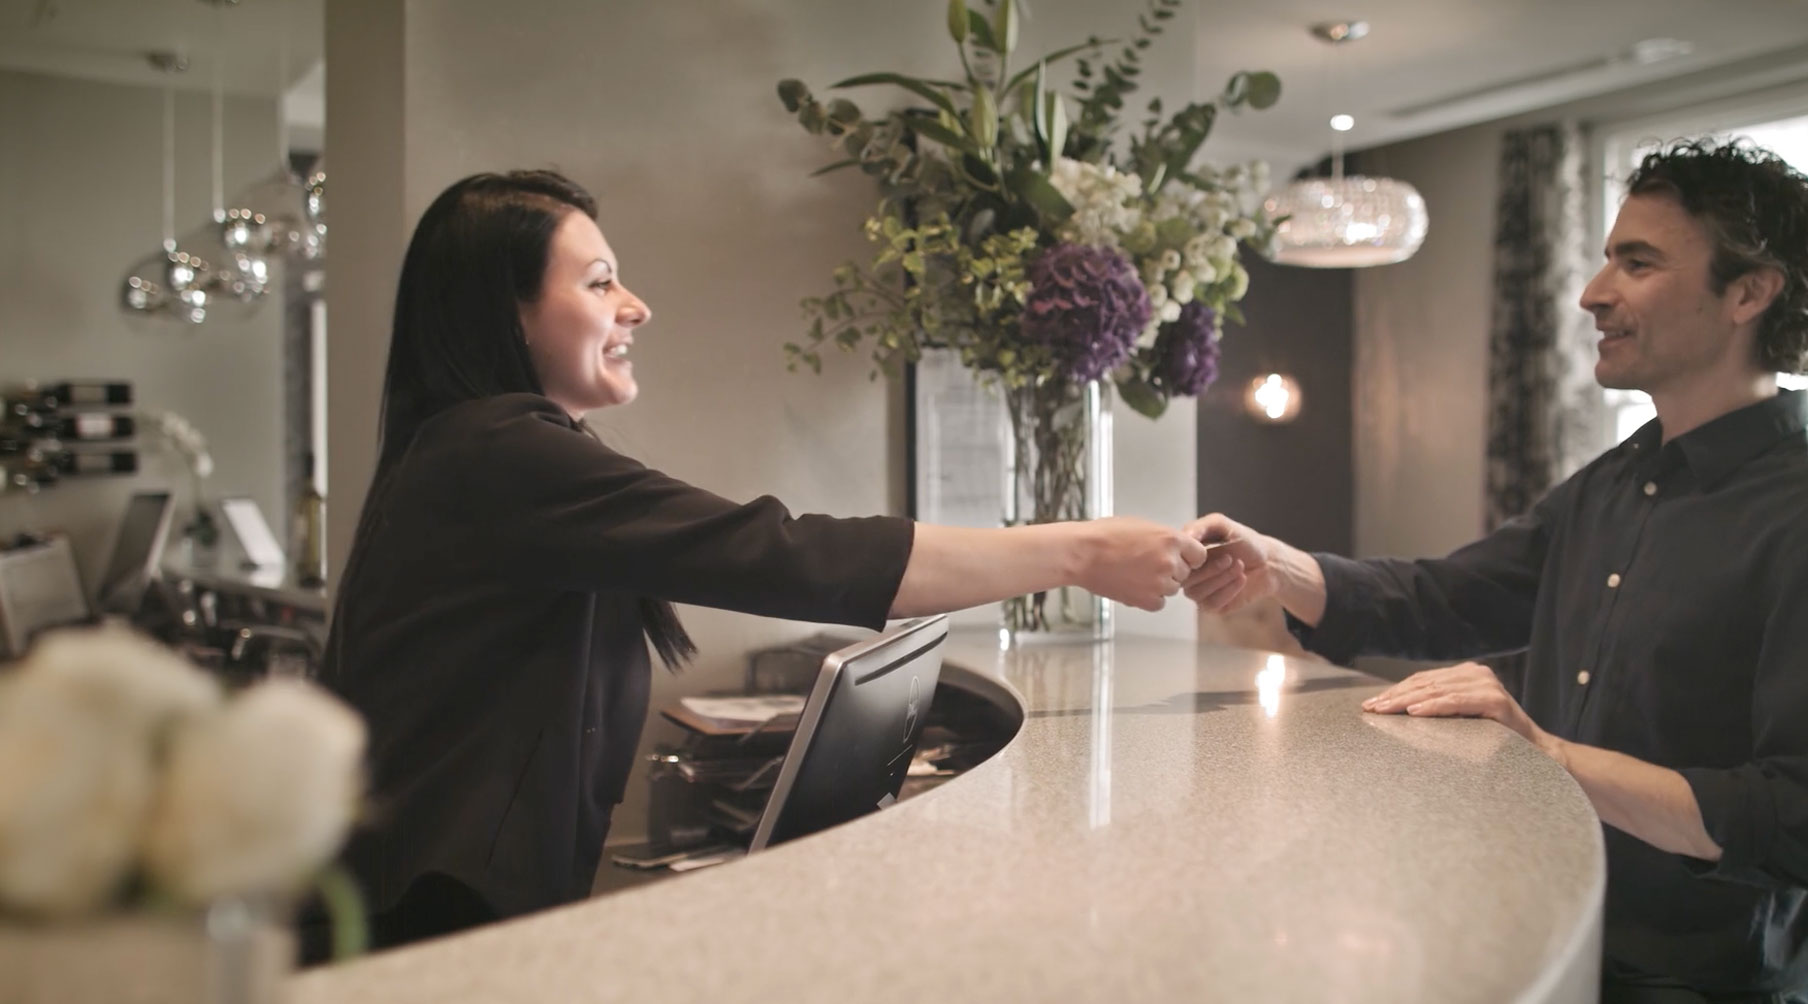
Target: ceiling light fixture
{"points": [[1346, 222]]}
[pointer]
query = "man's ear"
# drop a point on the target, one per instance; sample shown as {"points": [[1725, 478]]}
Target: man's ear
{"points": [[1754, 292]]}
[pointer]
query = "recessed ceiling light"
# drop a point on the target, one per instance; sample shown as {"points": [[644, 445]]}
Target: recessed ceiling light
{"points": [[1656, 50]]}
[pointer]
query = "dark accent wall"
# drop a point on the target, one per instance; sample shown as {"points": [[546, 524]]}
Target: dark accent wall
{"points": [[1292, 481]]}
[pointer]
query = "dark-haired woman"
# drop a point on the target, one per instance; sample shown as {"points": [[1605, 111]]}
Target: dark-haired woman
{"points": [[509, 569]]}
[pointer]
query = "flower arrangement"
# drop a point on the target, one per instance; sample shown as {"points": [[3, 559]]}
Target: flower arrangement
{"points": [[129, 781], [1049, 247], [1024, 236], [182, 437]]}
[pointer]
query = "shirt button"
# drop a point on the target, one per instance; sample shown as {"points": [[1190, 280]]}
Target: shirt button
{"points": [[1613, 581], [1650, 488], [1582, 678]]}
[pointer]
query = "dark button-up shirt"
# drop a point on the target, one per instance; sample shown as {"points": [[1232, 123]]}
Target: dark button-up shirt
{"points": [[1661, 595], [490, 629]]}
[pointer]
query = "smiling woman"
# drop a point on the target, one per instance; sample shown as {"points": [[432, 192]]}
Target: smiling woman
{"points": [[510, 570]]}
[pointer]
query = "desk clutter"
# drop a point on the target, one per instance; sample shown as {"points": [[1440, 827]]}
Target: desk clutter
{"points": [[709, 788], [63, 429], [237, 622]]}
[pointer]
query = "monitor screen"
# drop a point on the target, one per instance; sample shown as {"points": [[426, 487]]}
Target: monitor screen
{"points": [[857, 732], [137, 551]]}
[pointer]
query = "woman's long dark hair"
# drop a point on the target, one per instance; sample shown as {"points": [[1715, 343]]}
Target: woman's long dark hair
{"points": [[478, 254]]}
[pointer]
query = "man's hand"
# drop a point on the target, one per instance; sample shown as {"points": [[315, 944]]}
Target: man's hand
{"points": [[1466, 690], [1136, 562], [1238, 569]]}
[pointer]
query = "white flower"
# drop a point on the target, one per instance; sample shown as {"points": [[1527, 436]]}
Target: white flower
{"points": [[1158, 294], [257, 796], [1170, 260], [1184, 290], [188, 441], [131, 683], [1205, 272], [1239, 282], [1223, 249], [1170, 311], [1241, 228], [74, 792]]}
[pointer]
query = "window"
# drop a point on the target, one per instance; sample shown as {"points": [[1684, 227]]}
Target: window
{"points": [[1779, 124]]}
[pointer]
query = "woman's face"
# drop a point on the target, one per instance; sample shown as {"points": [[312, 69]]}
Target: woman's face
{"points": [[580, 329]]}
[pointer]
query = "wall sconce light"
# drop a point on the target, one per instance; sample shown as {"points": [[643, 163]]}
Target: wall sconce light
{"points": [[1273, 399]]}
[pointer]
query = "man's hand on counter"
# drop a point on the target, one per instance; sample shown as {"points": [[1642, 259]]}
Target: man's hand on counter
{"points": [[1468, 690]]}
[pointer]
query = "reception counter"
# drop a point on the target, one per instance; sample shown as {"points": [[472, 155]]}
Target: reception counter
{"points": [[1171, 822]]}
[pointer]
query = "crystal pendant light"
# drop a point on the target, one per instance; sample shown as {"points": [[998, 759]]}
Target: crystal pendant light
{"points": [[166, 284], [1346, 221], [281, 215], [238, 276]]}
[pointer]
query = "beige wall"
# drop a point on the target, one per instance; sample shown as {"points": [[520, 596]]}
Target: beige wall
{"points": [[668, 113], [81, 200]]}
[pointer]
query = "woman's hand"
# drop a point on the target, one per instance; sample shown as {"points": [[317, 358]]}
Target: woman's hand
{"points": [[1136, 562]]}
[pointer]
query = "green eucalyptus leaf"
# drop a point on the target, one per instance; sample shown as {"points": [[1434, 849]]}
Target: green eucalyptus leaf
{"points": [[1062, 54], [921, 88], [1263, 90], [957, 21], [1142, 398], [793, 93]]}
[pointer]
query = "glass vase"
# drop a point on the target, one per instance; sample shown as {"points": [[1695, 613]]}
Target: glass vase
{"points": [[1057, 467], [234, 952]]}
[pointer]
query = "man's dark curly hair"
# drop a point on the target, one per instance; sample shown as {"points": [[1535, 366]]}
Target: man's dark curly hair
{"points": [[1755, 208]]}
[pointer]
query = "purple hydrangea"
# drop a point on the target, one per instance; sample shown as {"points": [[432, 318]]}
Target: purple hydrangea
{"points": [[1088, 306], [1186, 351]]}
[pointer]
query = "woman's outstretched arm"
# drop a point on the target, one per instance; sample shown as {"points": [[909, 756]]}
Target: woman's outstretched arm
{"points": [[1132, 561]]}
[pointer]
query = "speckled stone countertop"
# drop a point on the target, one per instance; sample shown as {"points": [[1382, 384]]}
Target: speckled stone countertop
{"points": [[1173, 822]]}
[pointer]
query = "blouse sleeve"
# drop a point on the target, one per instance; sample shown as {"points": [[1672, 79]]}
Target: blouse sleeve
{"points": [[545, 503]]}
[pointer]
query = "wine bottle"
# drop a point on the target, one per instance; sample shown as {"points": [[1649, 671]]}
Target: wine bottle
{"points": [[47, 398], [88, 426], [70, 463], [309, 545]]}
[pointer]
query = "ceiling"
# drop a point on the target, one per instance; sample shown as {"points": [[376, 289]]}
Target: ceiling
{"points": [[1426, 65], [108, 39], [1431, 65]]}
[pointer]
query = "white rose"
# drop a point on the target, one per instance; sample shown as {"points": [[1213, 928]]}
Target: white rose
{"points": [[258, 796], [1205, 272], [1170, 311], [1170, 260], [74, 792], [1158, 294], [1239, 282], [128, 681], [1183, 291]]}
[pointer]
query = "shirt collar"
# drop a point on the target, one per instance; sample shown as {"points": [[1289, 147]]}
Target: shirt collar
{"points": [[1725, 444]]}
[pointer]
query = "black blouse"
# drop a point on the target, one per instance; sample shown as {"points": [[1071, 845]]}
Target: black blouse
{"points": [[490, 631]]}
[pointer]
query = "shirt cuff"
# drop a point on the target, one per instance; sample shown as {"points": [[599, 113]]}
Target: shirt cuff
{"points": [[1739, 810], [1338, 635]]}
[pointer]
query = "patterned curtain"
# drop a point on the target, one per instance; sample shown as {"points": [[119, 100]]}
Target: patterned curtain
{"points": [[1546, 415]]}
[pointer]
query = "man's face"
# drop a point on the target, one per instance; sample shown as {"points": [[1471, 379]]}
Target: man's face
{"points": [[1662, 325]]}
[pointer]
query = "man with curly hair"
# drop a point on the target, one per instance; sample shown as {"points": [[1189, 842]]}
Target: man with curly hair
{"points": [[1661, 593]]}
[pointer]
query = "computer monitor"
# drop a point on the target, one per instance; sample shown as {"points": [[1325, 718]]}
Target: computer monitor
{"points": [[857, 732], [137, 552]]}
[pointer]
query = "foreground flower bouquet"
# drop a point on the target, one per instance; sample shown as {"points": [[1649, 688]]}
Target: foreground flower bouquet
{"points": [[155, 832], [1066, 256]]}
